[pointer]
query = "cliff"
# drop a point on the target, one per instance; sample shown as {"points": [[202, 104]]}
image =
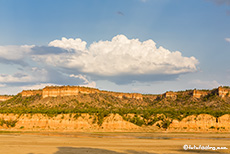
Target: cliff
{"points": [[26, 93], [55, 91], [170, 94], [66, 91], [199, 93], [202, 122], [65, 122], [4, 98], [123, 95], [111, 123], [223, 92], [220, 91]]}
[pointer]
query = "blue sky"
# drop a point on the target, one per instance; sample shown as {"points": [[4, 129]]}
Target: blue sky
{"points": [[114, 32]]}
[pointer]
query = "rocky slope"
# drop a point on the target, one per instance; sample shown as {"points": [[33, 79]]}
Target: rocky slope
{"points": [[64, 122], [111, 123], [202, 122], [74, 108]]}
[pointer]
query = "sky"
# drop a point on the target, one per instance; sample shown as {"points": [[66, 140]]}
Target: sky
{"points": [[144, 46]]}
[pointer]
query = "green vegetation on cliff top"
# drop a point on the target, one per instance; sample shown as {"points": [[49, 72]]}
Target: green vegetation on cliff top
{"points": [[144, 111]]}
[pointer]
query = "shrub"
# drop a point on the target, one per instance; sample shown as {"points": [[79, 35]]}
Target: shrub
{"points": [[158, 125], [165, 124], [8, 123], [76, 116]]}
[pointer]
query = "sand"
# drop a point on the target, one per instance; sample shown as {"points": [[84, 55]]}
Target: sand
{"points": [[109, 143]]}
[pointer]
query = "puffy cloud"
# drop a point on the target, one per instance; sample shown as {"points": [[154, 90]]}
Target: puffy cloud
{"points": [[87, 83], [69, 44], [120, 60], [122, 56], [227, 40]]}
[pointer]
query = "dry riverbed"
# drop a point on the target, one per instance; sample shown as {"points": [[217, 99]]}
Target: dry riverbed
{"points": [[109, 143]]}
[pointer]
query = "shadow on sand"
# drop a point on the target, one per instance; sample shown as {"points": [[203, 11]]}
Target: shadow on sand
{"points": [[81, 150]]}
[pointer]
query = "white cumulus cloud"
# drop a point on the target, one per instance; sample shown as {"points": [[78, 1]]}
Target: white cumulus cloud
{"points": [[69, 44], [120, 60], [120, 56], [87, 83]]}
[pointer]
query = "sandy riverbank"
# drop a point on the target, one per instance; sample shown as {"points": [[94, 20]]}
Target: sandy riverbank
{"points": [[109, 143]]}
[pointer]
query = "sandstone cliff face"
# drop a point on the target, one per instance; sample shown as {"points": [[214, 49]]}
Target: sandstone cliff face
{"points": [[4, 98], [170, 94], [124, 95], [43, 122], [194, 94], [66, 122], [115, 121], [222, 92], [202, 122], [66, 91], [26, 93], [54, 91], [199, 93]]}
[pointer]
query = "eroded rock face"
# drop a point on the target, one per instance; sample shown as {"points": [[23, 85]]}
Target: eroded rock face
{"points": [[222, 92], [66, 122], [26, 93], [4, 98], [66, 91], [199, 93], [170, 94], [224, 122], [115, 121], [55, 91], [202, 122]]}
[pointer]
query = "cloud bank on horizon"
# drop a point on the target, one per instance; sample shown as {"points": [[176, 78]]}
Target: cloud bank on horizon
{"points": [[70, 61]]}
